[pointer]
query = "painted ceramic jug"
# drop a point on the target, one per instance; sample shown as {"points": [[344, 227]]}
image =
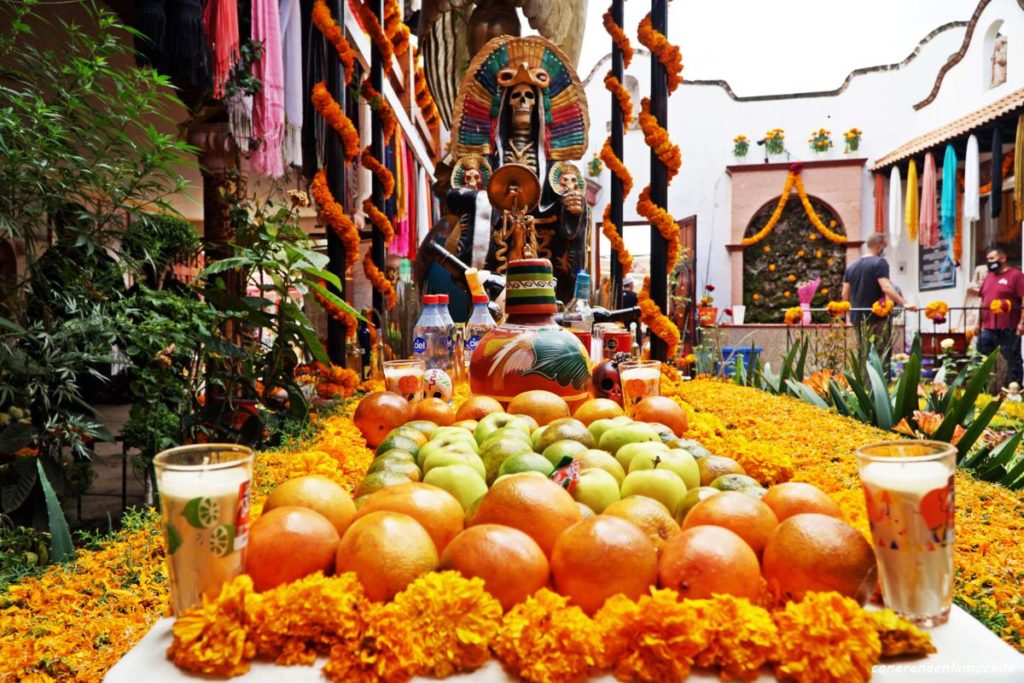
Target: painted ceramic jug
{"points": [[530, 351]]}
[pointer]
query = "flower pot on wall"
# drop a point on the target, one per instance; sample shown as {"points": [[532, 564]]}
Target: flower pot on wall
{"points": [[707, 315]]}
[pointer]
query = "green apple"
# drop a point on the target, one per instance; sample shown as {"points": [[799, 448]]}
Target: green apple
{"points": [[450, 431], [562, 449], [454, 457], [664, 486], [425, 426], [405, 467], [676, 459], [594, 458], [500, 450], [400, 441], [504, 433], [692, 497], [599, 427], [665, 432], [622, 420], [616, 437], [495, 421], [444, 443], [733, 482], [526, 462], [531, 424], [462, 481], [694, 447], [565, 428], [535, 438], [394, 454], [629, 451], [596, 489]]}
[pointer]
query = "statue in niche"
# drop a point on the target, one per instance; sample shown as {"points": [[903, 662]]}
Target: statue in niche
{"points": [[999, 61], [522, 104]]}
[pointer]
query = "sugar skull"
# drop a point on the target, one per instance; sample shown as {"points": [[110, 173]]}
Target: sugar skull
{"points": [[606, 382], [437, 384]]}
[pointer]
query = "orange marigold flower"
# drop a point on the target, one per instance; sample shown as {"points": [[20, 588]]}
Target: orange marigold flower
{"points": [[617, 243], [334, 216], [794, 315], [213, 638], [898, 636], [1000, 306], [616, 166], [657, 139], [742, 637], [667, 53], [619, 38], [615, 87], [325, 23], [333, 114]]}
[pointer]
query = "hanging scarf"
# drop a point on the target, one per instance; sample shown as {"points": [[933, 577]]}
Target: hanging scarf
{"points": [[895, 206], [268, 103], [972, 204], [185, 50], [150, 20], [928, 234], [948, 203], [995, 197], [291, 49], [911, 207], [879, 204], [221, 20], [1018, 171]]}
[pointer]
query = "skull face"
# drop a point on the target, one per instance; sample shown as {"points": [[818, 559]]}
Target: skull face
{"points": [[522, 100], [606, 381], [569, 182], [472, 179]]}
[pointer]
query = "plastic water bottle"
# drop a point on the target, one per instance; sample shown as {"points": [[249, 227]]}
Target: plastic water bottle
{"points": [[480, 322], [449, 323], [578, 316], [430, 336]]}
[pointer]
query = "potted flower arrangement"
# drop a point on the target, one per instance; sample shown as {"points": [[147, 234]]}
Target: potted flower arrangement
{"points": [[707, 312], [740, 146], [820, 140], [775, 141], [851, 140]]}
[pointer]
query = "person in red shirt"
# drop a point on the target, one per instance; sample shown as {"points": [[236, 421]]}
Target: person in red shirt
{"points": [[1002, 330]]}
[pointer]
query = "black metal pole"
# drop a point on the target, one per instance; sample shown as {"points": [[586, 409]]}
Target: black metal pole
{"points": [[659, 178], [334, 164], [377, 250], [616, 194]]}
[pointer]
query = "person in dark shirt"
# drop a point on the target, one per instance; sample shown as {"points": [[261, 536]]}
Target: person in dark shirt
{"points": [[1002, 329], [628, 294], [866, 282]]}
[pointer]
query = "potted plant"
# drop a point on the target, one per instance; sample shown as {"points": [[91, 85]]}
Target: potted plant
{"points": [[851, 140], [707, 312], [820, 141], [775, 141], [740, 146]]}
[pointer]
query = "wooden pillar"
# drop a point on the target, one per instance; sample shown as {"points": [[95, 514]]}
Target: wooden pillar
{"points": [[659, 177], [616, 198]]}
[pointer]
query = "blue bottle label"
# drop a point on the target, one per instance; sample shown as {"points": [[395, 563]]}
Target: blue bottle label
{"points": [[472, 342], [419, 345]]}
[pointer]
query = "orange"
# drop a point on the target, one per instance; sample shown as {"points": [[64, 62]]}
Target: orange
{"points": [[598, 409], [712, 467], [316, 493], [511, 564], [475, 407], [380, 412], [704, 560], [542, 406], [796, 497], [648, 515], [746, 516], [438, 511], [288, 543], [661, 409], [387, 551], [536, 506], [815, 552], [436, 410], [600, 557]]}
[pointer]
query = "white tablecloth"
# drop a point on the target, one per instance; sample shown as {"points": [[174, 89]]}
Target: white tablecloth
{"points": [[967, 651]]}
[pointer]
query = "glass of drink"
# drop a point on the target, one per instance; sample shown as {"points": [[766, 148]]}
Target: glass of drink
{"points": [[908, 487], [405, 377], [204, 501], [639, 379]]}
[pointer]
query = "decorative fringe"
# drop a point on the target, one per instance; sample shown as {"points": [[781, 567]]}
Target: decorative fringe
{"points": [[151, 24], [185, 44], [240, 119], [291, 148]]}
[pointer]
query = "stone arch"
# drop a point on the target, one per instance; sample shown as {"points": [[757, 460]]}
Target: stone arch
{"points": [[993, 42], [795, 251]]}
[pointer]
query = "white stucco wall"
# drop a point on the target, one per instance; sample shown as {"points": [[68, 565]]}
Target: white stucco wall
{"points": [[703, 120]]}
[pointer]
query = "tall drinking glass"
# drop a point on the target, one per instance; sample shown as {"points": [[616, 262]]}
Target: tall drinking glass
{"points": [[204, 501], [405, 377], [639, 379], [908, 487]]}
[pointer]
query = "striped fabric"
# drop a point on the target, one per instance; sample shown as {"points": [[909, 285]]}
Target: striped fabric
{"points": [[530, 288]]}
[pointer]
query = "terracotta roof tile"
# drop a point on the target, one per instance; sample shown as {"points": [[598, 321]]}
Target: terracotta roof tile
{"points": [[954, 129]]}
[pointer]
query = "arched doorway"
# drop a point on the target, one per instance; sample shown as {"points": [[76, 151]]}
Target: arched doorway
{"points": [[794, 252]]}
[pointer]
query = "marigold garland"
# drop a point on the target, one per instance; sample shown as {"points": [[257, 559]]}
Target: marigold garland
{"points": [[619, 38], [379, 170], [388, 120], [659, 323], [325, 23], [617, 243], [332, 112], [379, 220], [425, 100], [380, 39], [813, 216], [837, 309], [663, 221], [793, 179], [657, 139], [379, 281], [882, 308], [615, 87], [336, 313], [617, 168], [334, 216], [936, 310], [667, 53], [395, 29]]}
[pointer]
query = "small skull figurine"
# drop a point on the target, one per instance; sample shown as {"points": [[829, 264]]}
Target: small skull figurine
{"points": [[606, 383]]}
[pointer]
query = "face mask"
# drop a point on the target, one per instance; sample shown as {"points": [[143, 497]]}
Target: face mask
{"points": [[993, 267]]}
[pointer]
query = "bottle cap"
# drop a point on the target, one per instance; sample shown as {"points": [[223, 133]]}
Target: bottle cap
{"points": [[442, 298], [480, 299], [429, 299]]}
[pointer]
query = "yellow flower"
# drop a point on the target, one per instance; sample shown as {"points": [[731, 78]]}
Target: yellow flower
{"points": [[1000, 306], [791, 277], [786, 294], [936, 309], [793, 315], [800, 253], [837, 309], [756, 297], [771, 267], [812, 236], [767, 249], [824, 291], [213, 638], [826, 637], [898, 636]]}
